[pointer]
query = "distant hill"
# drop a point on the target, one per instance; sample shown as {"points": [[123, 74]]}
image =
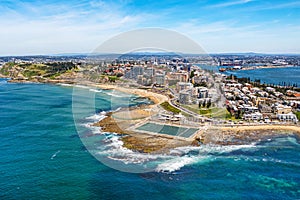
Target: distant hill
{"points": [[37, 72]]}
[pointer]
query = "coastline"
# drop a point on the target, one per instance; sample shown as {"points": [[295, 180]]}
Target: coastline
{"points": [[267, 67], [150, 143], [239, 135], [154, 97], [3, 76]]}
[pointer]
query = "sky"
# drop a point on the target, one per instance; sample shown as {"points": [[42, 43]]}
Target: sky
{"points": [[38, 27]]}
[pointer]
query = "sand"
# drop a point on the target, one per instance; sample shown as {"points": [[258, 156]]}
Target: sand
{"points": [[156, 98]]}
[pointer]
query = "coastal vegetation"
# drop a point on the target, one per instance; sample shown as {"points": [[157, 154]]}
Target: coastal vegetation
{"points": [[122, 121], [298, 115], [31, 71], [170, 108]]}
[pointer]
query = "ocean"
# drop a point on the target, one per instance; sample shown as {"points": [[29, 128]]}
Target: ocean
{"points": [[277, 76], [48, 150]]}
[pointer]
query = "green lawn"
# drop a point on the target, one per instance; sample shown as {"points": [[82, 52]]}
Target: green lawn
{"points": [[298, 115], [169, 107], [213, 112]]}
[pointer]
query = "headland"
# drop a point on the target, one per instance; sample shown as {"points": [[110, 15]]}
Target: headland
{"points": [[191, 106]]}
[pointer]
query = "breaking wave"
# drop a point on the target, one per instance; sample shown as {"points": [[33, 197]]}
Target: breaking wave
{"points": [[111, 148], [167, 163], [95, 90]]}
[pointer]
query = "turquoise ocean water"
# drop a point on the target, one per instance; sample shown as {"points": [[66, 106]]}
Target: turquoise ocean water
{"points": [[42, 156]]}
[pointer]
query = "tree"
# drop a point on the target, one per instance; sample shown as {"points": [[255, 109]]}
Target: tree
{"points": [[112, 78], [208, 104], [192, 74], [204, 103]]}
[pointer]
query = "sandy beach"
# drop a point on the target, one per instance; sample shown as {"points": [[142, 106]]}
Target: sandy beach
{"points": [[121, 121], [156, 98]]}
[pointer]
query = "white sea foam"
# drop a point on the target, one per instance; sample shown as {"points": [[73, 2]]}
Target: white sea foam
{"points": [[182, 158], [54, 155], [113, 94], [94, 129], [91, 120], [96, 117], [178, 158], [65, 85], [178, 162], [210, 149], [82, 86], [114, 150], [95, 90], [226, 149]]}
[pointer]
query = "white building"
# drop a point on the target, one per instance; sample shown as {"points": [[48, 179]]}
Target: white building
{"points": [[270, 89], [253, 116], [289, 117]]}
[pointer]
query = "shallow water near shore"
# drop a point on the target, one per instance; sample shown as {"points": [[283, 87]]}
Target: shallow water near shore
{"points": [[42, 157]]}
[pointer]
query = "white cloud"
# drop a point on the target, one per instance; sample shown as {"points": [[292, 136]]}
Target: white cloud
{"points": [[230, 36], [274, 6], [75, 30], [230, 3]]}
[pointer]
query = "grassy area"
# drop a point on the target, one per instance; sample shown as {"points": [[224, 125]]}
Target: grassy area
{"points": [[298, 115], [112, 78], [214, 112], [29, 70], [169, 107], [4, 71], [193, 108]]}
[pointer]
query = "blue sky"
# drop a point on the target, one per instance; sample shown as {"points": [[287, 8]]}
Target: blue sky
{"points": [[61, 26]]}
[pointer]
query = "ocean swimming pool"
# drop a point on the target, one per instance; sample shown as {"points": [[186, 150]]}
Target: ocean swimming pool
{"points": [[168, 130]]}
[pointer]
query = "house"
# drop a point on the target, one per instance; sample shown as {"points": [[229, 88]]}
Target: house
{"points": [[250, 109], [281, 109], [289, 117], [270, 89], [253, 116]]}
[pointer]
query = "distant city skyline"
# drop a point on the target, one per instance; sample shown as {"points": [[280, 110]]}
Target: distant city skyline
{"points": [[31, 27]]}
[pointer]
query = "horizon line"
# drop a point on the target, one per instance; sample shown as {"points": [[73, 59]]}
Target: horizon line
{"points": [[133, 53]]}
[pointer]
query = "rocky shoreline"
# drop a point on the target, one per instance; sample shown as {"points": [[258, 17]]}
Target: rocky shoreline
{"points": [[149, 143], [157, 143], [236, 136], [141, 142]]}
